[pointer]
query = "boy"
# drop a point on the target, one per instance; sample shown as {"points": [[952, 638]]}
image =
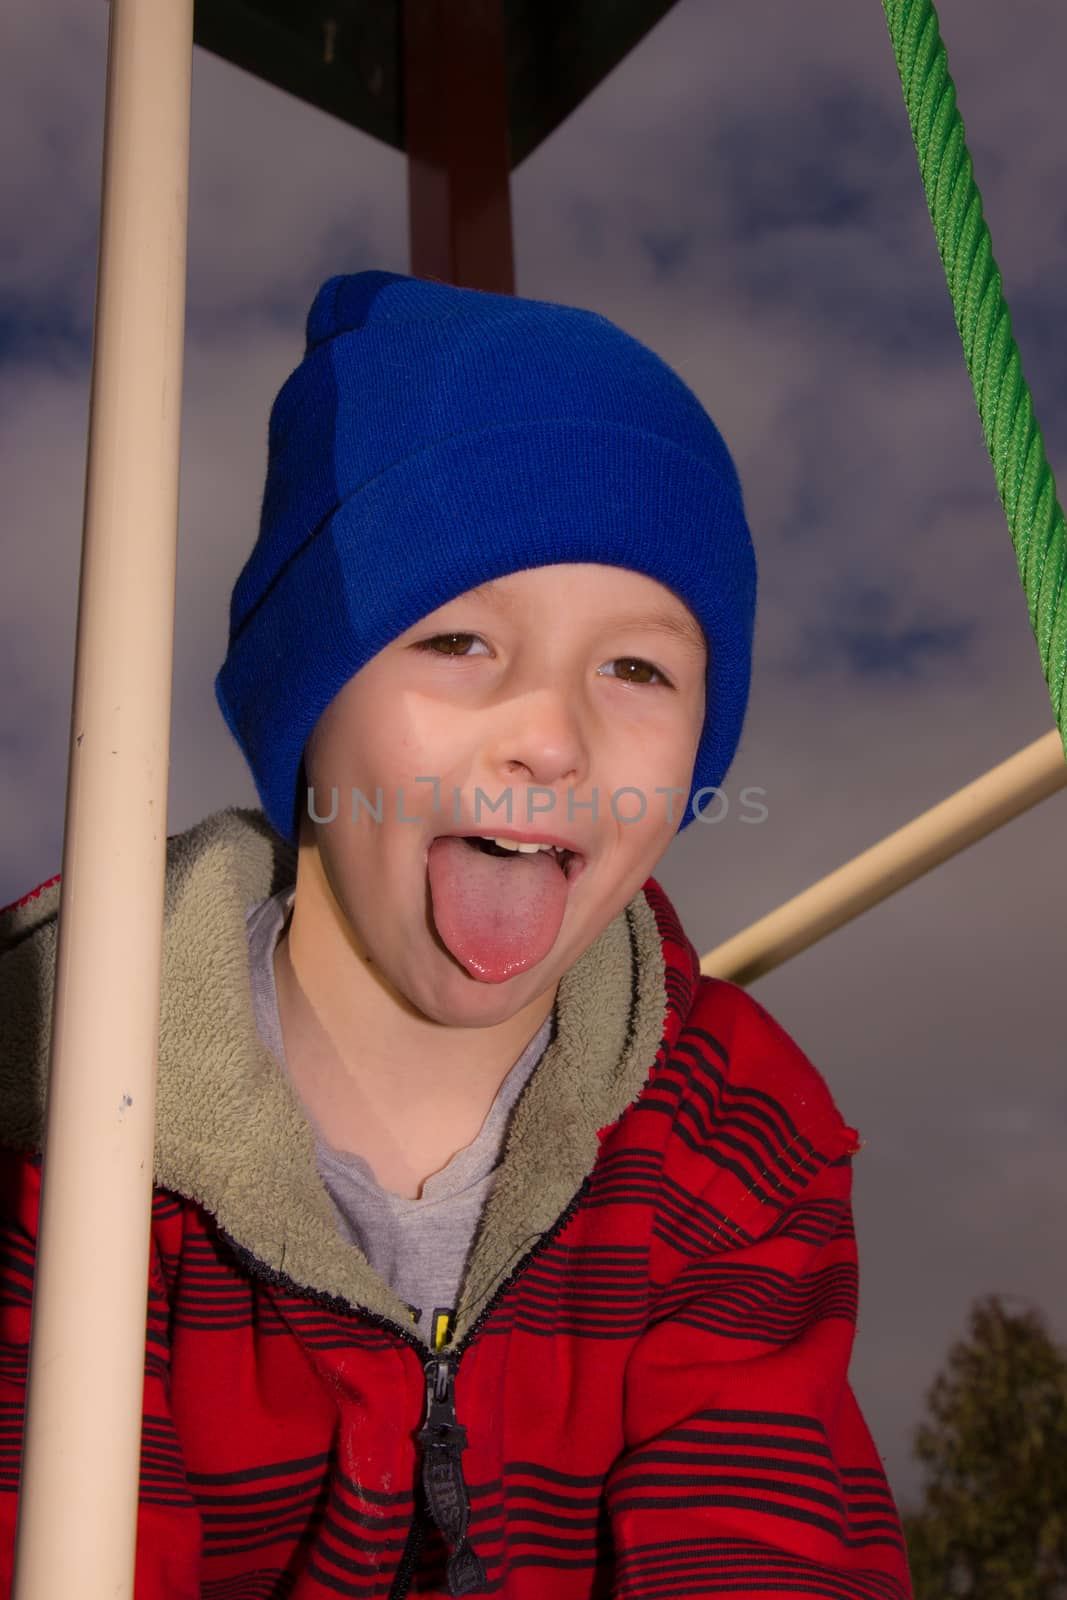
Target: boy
{"points": [[495, 1250]]}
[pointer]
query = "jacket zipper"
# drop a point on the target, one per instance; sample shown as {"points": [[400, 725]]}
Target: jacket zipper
{"points": [[444, 1440], [409, 1559], [444, 1492]]}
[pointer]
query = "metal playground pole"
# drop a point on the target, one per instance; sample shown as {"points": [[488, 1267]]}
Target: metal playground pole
{"points": [[81, 1448]]}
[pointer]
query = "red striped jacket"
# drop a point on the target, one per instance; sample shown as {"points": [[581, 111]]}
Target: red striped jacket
{"points": [[645, 1395]]}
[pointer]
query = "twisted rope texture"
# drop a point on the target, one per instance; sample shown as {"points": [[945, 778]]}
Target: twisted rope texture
{"points": [[1024, 478]]}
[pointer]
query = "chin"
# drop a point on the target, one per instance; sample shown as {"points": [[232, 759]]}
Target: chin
{"points": [[464, 1002]]}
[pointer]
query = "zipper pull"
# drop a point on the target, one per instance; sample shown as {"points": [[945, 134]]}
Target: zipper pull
{"points": [[443, 1442]]}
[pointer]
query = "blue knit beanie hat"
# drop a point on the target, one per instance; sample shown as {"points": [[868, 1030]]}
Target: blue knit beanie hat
{"points": [[435, 438]]}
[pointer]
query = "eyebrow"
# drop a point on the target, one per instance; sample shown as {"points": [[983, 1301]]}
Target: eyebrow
{"points": [[684, 628]]}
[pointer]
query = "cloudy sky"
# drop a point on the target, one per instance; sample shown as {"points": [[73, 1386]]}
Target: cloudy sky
{"points": [[743, 195]]}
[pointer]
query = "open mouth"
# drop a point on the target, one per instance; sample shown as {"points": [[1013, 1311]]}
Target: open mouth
{"points": [[499, 919], [569, 861]]}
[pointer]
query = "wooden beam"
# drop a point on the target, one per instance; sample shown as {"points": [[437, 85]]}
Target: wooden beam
{"points": [[1000, 794]]}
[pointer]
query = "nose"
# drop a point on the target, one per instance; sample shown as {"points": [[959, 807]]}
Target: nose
{"points": [[543, 736]]}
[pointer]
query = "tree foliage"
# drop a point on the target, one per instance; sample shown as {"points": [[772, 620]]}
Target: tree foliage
{"points": [[992, 1524]]}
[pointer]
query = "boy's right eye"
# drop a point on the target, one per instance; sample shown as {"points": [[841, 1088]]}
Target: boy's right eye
{"points": [[446, 638]]}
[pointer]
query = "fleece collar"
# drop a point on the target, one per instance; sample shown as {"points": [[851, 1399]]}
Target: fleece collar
{"points": [[230, 1134]]}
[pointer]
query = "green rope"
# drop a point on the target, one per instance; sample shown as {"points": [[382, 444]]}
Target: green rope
{"points": [[1025, 482]]}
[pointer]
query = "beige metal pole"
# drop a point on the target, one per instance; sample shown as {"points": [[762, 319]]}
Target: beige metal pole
{"points": [[78, 1490], [1004, 792]]}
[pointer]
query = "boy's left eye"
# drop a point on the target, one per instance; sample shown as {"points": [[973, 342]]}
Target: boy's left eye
{"points": [[635, 661], [630, 661]]}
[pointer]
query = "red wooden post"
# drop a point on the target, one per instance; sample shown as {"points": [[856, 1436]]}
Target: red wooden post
{"points": [[456, 132]]}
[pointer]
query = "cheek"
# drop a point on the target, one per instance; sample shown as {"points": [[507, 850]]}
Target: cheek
{"points": [[664, 751], [349, 740], [685, 741]]}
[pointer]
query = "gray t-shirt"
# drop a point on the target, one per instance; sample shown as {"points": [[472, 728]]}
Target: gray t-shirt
{"points": [[419, 1247]]}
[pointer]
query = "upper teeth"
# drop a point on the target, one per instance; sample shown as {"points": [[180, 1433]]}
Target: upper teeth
{"points": [[527, 849]]}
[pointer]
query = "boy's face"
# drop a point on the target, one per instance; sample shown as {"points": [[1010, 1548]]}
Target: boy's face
{"points": [[549, 686]]}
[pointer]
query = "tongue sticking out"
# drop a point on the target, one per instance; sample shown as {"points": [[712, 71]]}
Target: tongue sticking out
{"points": [[497, 914]]}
